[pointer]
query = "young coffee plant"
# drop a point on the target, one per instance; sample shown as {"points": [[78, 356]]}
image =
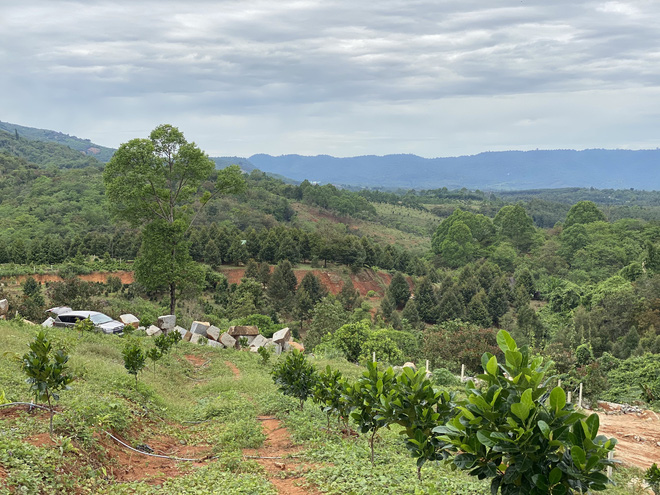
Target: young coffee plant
{"points": [[364, 397], [83, 326], [134, 359], [415, 405], [524, 436], [46, 376], [154, 354], [328, 392], [295, 376], [265, 355]]}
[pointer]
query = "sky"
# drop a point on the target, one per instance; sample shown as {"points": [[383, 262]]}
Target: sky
{"points": [[338, 77]]}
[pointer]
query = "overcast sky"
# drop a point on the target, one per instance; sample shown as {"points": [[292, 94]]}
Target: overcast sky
{"points": [[339, 77]]}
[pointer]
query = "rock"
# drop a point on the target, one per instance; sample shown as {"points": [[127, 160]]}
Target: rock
{"points": [[200, 327], [259, 341], [213, 343], [410, 365], [213, 332], [198, 338], [188, 336], [154, 331], [181, 330], [141, 329], [48, 323], [227, 340], [130, 320], [4, 306], [167, 322], [282, 336], [297, 346]]}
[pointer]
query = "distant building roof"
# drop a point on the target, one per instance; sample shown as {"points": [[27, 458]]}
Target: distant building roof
{"points": [[243, 331]]}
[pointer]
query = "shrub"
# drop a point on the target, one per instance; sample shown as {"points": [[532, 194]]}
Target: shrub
{"points": [[524, 436], [295, 376], [134, 359], [46, 377], [444, 377]]}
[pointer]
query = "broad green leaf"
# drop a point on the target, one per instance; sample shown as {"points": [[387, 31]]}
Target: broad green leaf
{"points": [[491, 366], [557, 398], [526, 398], [514, 358], [545, 429], [521, 410], [505, 341], [484, 439], [555, 476], [578, 456], [593, 422]]}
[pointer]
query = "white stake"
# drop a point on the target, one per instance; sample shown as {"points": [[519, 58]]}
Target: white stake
{"points": [[462, 372], [427, 365], [580, 399], [374, 357], [559, 384], [568, 399], [610, 456]]}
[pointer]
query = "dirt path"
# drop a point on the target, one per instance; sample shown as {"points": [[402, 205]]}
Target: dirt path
{"points": [[234, 369], [638, 437], [284, 472]]}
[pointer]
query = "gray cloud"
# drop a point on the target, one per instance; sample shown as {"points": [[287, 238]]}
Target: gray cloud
{"points": [[426, 77]]}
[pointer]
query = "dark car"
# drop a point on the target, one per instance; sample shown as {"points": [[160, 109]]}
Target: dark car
{"points": [[101, 322]]}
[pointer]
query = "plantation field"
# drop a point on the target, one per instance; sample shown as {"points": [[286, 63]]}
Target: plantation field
{"points": [[217, 408]]}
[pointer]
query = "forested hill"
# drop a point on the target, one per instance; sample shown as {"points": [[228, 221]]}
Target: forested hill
{"points": [[44, 153], [506, 170], [84, 146]]}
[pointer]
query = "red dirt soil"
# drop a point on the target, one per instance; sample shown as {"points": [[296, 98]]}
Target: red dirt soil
{"points": [[196, 361], [234, 369], [364, 281], [14, 412], [126, 465], [282, 472], [102, 277], [638, 437]]}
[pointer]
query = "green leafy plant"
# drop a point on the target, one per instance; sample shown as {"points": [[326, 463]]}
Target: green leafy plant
{"points": [[264, 354], [364, 397], [243, 342], [415, 405], [83, 326], [295, 376], [328, 393], [154, 354], [134, 359], [652, 477], [522, 435], [46, 371]]}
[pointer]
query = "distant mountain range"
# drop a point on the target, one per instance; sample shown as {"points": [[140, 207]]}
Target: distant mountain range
{"points": [[504, 170], [500, 171]]}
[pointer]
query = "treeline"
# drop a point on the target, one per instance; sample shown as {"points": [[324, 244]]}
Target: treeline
{"points": [[226, 244], [45, 154]]}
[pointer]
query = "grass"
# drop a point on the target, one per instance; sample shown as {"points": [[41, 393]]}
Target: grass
{"points": [[196, 403]]}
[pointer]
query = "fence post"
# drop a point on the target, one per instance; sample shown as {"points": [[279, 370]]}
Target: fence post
{"points": [[462, 372], [559, 384], [427, 365], [568, 399], [580, 398], [373, 358], [610, 456]]}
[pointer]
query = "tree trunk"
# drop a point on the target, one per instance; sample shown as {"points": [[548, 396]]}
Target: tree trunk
{"points": [[172, 297], [419, 473], [51, 415]]}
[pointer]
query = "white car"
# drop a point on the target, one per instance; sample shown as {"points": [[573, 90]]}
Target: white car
{"points": [[101, 321]]}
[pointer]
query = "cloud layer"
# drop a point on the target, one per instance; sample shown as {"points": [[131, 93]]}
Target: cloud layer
{"points": [[435, 78]]}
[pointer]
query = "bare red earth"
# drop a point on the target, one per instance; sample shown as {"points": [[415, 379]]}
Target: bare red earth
{"points": [[638, 437]]}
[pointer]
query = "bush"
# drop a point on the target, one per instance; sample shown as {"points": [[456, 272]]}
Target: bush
{"points": [[295, 376], [522, 435], [444, 377]]}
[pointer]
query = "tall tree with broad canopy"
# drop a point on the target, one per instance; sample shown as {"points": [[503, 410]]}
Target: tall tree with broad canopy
{"points": [[156, 183]]}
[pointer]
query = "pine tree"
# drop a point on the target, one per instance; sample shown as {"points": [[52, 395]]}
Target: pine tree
{"points": [[387, 308], [451, 306], [410, 313], [348, 296], [398, 291], [427, 302], [477, 312]]}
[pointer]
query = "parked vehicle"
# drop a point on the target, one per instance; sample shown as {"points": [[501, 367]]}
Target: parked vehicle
{"points": [[101, 321]]}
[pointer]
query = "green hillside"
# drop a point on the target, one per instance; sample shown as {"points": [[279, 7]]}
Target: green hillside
{"points": [[84, 146], [218, 408]]}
